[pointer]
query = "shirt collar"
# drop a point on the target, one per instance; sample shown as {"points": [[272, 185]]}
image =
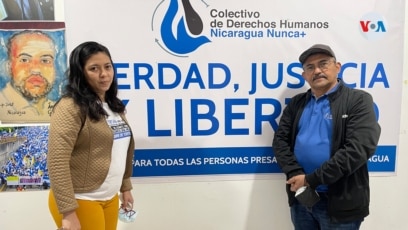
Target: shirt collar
{"points": [[328, 92]]}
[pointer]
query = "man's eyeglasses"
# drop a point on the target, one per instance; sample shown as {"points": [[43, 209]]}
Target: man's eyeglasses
{"points": [[322, 65]]}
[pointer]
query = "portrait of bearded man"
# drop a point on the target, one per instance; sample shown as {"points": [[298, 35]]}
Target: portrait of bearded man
{"points": [[33, 74]]}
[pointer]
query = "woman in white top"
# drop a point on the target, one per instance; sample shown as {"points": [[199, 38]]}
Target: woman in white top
{"points": [[90, 145]]}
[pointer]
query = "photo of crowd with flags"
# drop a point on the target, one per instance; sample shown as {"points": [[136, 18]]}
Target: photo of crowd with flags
{"points": [[23, 158]]}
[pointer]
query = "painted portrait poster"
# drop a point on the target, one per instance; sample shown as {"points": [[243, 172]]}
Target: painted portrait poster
{"points": [[33, 62], [23, 158]]}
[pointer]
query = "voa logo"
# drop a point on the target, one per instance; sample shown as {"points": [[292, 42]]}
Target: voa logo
{"points": [[373, 26], [178, 26]]}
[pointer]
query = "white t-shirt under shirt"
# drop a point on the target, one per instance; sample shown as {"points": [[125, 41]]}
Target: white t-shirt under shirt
{"points": [[121, 140]]}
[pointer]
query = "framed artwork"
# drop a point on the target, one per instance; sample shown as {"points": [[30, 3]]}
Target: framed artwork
{"points": [[23, 157], [33, 62]]}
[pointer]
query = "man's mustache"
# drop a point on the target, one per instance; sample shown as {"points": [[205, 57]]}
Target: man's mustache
{"points": [[318, 76]]}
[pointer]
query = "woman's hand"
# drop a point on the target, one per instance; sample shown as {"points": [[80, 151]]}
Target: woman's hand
{"points": [[70, 221], [127, 200]]}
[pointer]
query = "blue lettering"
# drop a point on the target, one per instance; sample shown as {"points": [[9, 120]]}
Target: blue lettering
{"points": [[151, 118], [196, 116], [121, 75], [381, 27], [193, 71], [179, 117], [204, 120], [227, 74], [278, 80], [344, 67], [271, 118], [301, 80], [138, 76], [378, 75], [177, 75], [230, 116]]}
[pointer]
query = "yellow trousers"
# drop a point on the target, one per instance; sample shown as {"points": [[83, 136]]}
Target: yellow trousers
{"points": [[92, 214]]}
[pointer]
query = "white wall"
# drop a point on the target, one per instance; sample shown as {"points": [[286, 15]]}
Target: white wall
{"points": [[248, 204]]}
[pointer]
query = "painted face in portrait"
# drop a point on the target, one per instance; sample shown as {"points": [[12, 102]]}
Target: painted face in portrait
{"points": [[32, 65], [99, 73]]}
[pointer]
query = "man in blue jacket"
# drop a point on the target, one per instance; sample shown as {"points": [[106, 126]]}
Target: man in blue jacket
{"points": [[325, 138]]}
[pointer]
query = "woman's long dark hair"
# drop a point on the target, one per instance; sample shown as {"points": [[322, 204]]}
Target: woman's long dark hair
{"points": [[79, 89]]}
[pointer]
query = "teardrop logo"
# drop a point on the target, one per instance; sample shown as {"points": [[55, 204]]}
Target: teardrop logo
{"points": [[179, 27]]}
